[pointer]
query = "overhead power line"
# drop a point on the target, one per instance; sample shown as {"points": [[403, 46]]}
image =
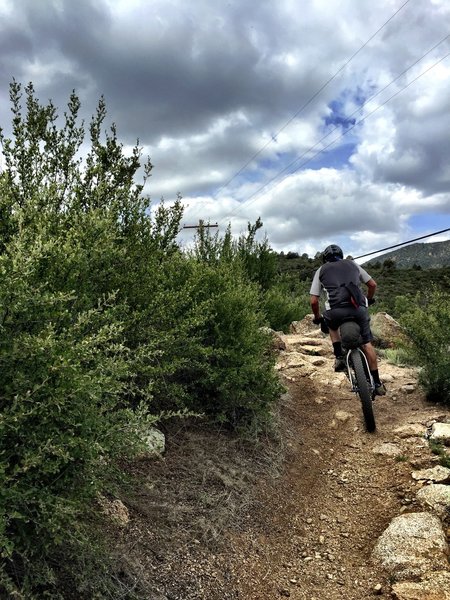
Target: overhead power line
{"points": [[402, 243], [253, 196], [308, 102]]}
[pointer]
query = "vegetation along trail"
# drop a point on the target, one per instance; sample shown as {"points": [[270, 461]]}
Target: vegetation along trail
{"points": [[308, 527]]}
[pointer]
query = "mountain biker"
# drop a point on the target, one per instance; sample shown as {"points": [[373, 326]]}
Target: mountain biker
{"points": [[334, 276]]}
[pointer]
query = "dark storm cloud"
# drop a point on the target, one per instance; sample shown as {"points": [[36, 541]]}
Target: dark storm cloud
{"points": [[172, 70], [209, 84]]}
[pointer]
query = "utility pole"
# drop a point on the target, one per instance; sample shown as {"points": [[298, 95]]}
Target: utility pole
{"points": [[201, 224]]}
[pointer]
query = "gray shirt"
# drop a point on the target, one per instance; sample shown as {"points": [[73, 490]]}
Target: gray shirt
{"points": [[331, 276]]}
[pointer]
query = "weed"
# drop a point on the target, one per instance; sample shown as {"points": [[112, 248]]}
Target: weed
{"points": [[401, 458], [438, 449]]}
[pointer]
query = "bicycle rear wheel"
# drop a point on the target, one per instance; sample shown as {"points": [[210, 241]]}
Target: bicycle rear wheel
{"points": [[364, 392]]}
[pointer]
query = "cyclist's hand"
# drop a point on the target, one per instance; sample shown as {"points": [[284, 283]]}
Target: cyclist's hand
{"points": [[318, 320], [370, 301]]}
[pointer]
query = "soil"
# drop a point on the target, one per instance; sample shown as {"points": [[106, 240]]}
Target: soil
{"points": [[296, 515]]}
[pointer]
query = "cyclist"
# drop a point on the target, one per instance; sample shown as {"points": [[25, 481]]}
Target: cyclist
{"points": [[333, 277]]}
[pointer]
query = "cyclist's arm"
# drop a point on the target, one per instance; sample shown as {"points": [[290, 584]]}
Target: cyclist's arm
{"points": [[315, 294], [315, 306], [371, 287]]}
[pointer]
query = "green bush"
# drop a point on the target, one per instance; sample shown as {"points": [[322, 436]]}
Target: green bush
{"points": [[239, 383], [427, 324], [282, 305], [104, 323], [63, 375]]}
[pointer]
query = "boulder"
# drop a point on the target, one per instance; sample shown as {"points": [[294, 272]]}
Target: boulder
{"points": [[304, 326], [277, 340], [154, 441], [440, 432], [435, 497], [410, 430], [413, 545], [437, 474], [436, 587], [387, 449], [387, 331], [115, 509]]}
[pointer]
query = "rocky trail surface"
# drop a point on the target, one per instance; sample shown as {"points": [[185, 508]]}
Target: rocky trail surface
{"points": [[307, 520]]}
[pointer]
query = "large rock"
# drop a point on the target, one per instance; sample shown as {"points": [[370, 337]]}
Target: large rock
{"points": [[410, 429], [437, 474], [305, 326], [387, 332], [412, 546], [437, 587], [115, 510], [440, 432], [435, 497]]}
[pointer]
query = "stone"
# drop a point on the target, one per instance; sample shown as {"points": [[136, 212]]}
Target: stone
{"points": [[436, 497], [437, 474], [378, 589], [305, 327], [387, 331], [115, 509], [277, 341], [435, 587], [318, 362], [387, 449], [343, 416], [440, 432], [413, 545], [408, 388], [313, 350], [410, 430], [154, 440]]}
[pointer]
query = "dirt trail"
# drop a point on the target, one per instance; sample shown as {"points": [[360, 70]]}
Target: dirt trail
{"points": [[307, 533], [314, 535]]}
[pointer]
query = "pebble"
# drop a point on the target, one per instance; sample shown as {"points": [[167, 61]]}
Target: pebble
{"points": [[378, 589]]}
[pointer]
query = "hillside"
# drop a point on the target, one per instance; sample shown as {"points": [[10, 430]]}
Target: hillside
{"points": [[427, 256]]}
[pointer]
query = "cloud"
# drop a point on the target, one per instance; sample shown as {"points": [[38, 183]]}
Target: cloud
{"points": [[228, 97]]}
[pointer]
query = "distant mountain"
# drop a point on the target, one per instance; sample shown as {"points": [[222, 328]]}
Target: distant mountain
{"points": [[427, 256]]}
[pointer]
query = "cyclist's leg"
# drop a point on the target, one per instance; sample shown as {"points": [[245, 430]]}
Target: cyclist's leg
{"points": [[370, 353], [369, 350], [333, 322]]}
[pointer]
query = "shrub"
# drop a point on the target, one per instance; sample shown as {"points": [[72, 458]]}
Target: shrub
{"points": [[101, 315], [427, 323], [62, 379], [239, 383], [281, 307]]}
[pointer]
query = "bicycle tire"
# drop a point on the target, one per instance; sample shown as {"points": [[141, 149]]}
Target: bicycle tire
{"points": [[363, 391]]}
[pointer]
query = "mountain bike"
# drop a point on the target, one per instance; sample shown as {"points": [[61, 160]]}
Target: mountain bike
{"points": [[358, 371]]}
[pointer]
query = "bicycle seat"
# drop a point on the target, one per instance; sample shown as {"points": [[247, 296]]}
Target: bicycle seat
{"points": [[350, 334]]}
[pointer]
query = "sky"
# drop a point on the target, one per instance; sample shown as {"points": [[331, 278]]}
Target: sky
{"points": [[328, 119]]}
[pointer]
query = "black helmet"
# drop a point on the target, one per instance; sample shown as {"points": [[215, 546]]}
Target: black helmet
{"points": [[331, 253]]}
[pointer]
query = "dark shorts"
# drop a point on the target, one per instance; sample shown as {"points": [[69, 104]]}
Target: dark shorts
{"points": [[336, 316]]}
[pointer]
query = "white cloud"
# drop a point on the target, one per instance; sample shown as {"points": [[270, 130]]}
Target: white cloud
{"points": [[224, 96]]}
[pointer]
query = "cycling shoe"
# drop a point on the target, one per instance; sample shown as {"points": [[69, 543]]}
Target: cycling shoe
{"points": [[340, 364], [380, 389]]}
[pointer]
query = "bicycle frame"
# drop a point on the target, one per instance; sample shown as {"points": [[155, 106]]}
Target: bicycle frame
{"points": [[350, 373]]}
